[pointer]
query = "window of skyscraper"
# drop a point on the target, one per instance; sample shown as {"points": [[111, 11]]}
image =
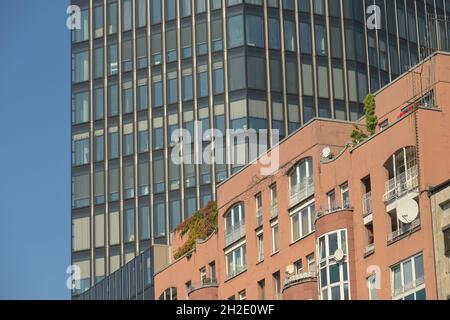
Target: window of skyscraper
{"points": [[289, 35], [80, 70], [155, 11], [254, 31], [235, 31], [80, 107], [112, 17], [274, 33]]}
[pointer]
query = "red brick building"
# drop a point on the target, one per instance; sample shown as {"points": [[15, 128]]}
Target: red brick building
{"points": [[335, 220]]}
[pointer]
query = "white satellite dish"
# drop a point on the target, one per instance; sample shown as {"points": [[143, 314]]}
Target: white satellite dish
{"points": [[407, 210], [290, 269], [326, 152], [338, 255]]}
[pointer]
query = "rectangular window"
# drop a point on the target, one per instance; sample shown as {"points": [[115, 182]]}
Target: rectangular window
{"points": [[80, 71], [113, 100], [345, 196], [112, 17], [254, 31], [216, 34], [160, 220], [142, 97], [236, 261], [289, 35], [274, 33], [143, 178], [80, 190], [98, 103], [275, 238], [80, 107], [447, 241], [126, 15], [302, 222], [407, 279], [235, 31], [155, 11], [129, 225], [98, 146], [80, 149], [82, 34], [98, 63], [98, 21], [141, 52], [141, 13]]}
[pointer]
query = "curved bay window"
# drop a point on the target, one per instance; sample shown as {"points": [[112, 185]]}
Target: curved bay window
{"points": [[235, 224], [333, 272], [301, 179]]}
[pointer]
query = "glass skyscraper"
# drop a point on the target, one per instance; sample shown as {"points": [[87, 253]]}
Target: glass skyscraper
{"points": [[143, 68]]}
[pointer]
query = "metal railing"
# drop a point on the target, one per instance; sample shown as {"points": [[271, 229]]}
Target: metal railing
{"points": [[299, 277], [207, 282], [302, 191], [367, 204], [274, 210], [395, 235], [237, 232], [402, 183], [370, 248]]}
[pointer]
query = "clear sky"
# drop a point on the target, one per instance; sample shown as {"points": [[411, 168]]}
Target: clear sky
{"points": [[34, 149]]}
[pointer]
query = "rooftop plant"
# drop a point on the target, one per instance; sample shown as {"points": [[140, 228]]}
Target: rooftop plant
{"points": [[199, 226]]}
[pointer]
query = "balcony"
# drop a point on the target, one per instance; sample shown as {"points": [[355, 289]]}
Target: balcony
{"points": [[203, 290], [367, 204], [301, 191], [369, 249], [237, 270], [405, 229], [298, 278], [274, 210], [237, 232], [301, 286], [401, 184], [259, 218]]}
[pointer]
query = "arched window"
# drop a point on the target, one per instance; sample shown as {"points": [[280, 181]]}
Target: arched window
{"points": [[402, 173], [301, 181], [235, 223], [169, 294]]}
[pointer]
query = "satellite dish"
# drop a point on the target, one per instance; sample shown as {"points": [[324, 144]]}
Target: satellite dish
{"points": [[407, 210], [326, 152], [290, 269], [338, 255]]}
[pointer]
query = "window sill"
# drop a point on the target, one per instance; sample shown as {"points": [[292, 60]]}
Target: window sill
{"points": [[235, 276], [259, 262], [275, 253], [404, 235]]}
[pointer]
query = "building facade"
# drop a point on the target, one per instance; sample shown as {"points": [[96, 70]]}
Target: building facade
{"points": [[141, 69], [337, 220]]}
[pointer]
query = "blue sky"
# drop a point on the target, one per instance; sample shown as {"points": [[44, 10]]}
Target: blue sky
{"points": [[34, 149]]}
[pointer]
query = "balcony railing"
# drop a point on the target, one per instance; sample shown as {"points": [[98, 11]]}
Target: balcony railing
{"points": [[237, 232], [367, 204], [401, 184], [237, 270], [302, 191], [299, 278], [259, 217], [369, 249], [408, 286], [274, 210], [395, 235], [207, 282]]}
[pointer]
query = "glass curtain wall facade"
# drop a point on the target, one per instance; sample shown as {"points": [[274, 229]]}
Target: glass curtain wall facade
{"points": [[144, 68]]}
